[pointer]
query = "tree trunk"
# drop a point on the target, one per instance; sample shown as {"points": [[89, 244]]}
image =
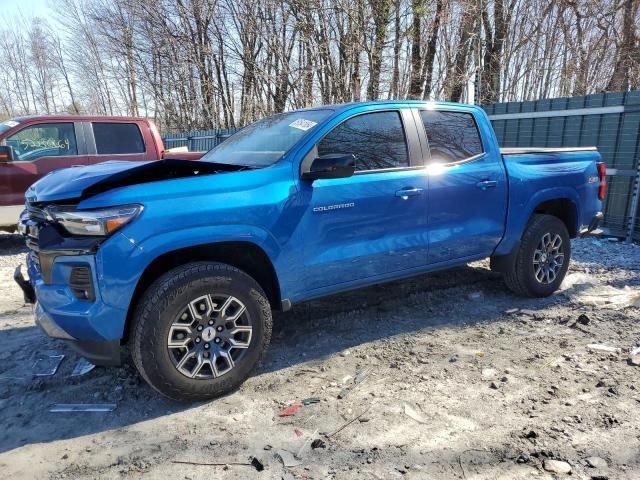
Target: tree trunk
{"points": [[619, 81]]}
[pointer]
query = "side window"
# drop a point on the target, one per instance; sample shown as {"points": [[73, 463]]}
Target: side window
{"points": [[376, 139], [453, 136], [117, 138], [44, 140]]}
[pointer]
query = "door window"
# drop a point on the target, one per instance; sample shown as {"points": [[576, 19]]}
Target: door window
{"points": [[118, 138], [376, 139], [43, 140], [453, 136]]}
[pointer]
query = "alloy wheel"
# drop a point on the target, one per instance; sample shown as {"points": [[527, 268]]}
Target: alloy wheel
{"points": [[210, 336], [548, 258]]}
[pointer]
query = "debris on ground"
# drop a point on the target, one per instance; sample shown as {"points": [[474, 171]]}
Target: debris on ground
{"points": [[83, 366], [411, 413], [311, 400], [257, 464], [291, 410], [287, 458], [358, 379], [83, 407], [603, 348], [345, 425], [596, 462], [318, 443], [47, 365], [583, 319], [556, 466]]}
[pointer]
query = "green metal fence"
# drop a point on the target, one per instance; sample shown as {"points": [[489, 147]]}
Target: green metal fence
{"points": [[610, 121]]}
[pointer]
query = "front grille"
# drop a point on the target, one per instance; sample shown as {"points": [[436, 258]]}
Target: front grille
{"points": [[36, 214], [31, 221]]}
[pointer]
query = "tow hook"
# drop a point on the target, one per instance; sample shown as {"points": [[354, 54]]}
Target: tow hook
{"points": [[27, 288]]}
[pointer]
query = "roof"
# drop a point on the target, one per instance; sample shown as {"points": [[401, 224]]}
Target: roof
{"points": [[76, 118], [350, 105]]}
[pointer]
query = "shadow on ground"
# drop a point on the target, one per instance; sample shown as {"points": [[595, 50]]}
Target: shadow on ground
{"points": [[309, 333]]}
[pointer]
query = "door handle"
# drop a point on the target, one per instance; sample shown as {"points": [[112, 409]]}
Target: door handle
{"points": [[405, 193], [486, 184]]}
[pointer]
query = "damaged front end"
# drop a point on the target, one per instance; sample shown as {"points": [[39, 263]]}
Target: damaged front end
{"points": [[47, 240], [66, 244], [62, 285]]}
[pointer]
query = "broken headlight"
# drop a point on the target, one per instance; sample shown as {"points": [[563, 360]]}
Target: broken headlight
{"points": [[97, 223]]}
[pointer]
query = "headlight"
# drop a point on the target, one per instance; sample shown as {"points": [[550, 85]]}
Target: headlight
{"points": [[98, 223]]}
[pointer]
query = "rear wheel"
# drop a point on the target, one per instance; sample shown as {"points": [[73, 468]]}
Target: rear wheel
{"points": [[200, 330], [543, 258]]}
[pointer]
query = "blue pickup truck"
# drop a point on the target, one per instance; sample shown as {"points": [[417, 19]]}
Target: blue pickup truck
{"points": [[184, 261]]}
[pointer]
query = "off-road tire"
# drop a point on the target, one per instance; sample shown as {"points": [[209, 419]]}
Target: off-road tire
{"points": [[521, 278], [161, 303]]}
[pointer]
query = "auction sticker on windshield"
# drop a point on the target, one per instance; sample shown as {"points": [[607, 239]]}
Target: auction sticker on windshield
{"points": [[303, 124]]}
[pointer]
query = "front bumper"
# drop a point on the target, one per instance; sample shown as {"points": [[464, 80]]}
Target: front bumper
{"points": [[98, 352], [63, 316]]}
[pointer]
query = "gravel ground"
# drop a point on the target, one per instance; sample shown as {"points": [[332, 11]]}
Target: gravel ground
{"points": [[442, 376]]}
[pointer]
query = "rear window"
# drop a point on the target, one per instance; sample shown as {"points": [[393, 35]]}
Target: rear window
{"points": [[117, 138], [453, 136]]}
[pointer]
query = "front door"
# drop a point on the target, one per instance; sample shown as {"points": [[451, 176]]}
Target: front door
{"points": [[373, 223], [38, 149]]}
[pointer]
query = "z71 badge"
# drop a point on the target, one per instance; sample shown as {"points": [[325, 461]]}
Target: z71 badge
{"points": [[328, 208]]}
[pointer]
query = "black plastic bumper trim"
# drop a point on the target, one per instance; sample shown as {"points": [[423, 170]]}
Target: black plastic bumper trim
{"points": [[99, 352], [27, 289]]}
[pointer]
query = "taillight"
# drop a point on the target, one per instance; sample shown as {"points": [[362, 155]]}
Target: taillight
{"points": [[602, 173]]}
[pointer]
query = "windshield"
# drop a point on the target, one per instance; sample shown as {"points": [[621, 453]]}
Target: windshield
{"points": [[6, 126], [265, 142]]}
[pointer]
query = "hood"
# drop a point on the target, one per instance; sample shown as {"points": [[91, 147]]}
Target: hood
{"points": [[82, 182]]}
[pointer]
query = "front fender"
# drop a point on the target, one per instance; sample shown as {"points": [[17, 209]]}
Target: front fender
{"points": [[120, 274]]}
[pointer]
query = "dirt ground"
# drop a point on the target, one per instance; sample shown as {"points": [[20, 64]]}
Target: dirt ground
{"points": [[446, 375]]}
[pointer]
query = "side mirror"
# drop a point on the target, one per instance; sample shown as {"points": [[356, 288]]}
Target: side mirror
{"points": [[6, 154], [331, 166]]}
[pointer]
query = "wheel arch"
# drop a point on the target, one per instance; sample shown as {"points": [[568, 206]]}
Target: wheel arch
{"points": [[243, 255], [564, 209]]}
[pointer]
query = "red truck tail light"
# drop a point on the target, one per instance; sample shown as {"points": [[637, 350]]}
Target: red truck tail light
{"points": [[602, 173]]}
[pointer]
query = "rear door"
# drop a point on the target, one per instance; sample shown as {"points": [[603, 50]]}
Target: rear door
{"points": [[39, 148], [373, 223], [467, 187], [110, 140]]}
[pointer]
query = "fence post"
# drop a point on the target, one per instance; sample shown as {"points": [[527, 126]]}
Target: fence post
{"points": [[635, 194]]}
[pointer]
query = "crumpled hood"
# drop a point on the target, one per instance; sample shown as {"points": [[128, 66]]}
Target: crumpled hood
{"points": [[82, 182]]}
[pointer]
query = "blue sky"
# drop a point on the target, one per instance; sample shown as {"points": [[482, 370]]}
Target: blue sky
{"points": [[13, 8]]}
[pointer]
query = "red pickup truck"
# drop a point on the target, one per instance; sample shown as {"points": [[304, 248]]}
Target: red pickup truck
{"points": [[31, 147]]}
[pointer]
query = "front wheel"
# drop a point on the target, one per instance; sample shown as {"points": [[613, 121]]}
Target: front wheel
{"points": [[543, 258], [199, 331]]}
